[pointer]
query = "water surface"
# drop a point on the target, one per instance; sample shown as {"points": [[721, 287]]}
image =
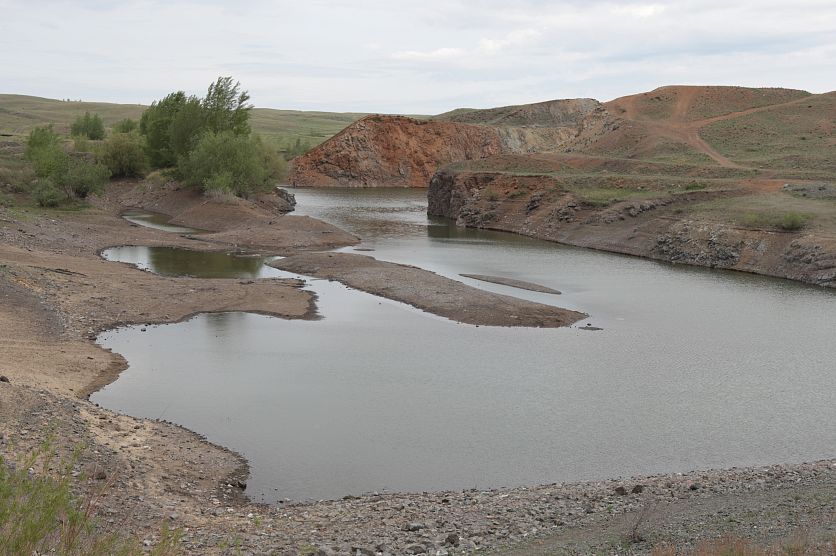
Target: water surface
{"points": [[694, 369]]}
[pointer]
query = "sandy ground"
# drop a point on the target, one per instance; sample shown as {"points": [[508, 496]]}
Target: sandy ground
{"points": [[428, 291], [57, 294]]}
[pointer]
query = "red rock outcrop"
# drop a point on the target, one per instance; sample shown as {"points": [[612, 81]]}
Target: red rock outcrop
{"points": [[392, 151]]}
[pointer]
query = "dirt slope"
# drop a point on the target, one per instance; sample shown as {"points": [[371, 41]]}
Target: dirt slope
{"points": [[395, 151], [391, 151]]}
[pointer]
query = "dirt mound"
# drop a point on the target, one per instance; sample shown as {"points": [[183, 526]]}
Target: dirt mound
{"points": [[552, 113], [392, 151], [694, 103]]}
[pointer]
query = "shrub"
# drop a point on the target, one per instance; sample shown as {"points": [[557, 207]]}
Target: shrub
{"points": [[125, 126], [41, 138], [46, 194], [83, 178], [89, 125], [792, 221], [225, 162], [124, 156], [39, 514]]}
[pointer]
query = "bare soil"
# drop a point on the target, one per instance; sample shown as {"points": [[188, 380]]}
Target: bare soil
{"points": [[428, 291]]}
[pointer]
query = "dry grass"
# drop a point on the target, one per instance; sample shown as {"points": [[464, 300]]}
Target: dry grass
{"points": [[798, 544]]}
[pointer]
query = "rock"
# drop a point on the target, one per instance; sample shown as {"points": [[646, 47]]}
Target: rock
{"points": [[240, 484], [362, 551], [100, 475], [638, 489], [414, 526], [452, 539], [621, 491], [4, 378], [415, 549]]}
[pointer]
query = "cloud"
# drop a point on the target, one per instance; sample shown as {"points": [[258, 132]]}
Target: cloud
{"points": [[484, 47], [411, 56], [639, 10]]}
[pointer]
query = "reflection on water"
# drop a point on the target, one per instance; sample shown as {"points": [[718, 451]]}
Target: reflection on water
{"points": [[172, 261], [156, 220], [695, 369]]}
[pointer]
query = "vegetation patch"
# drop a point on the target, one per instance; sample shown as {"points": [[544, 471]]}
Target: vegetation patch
{"points": [[40, 514]]}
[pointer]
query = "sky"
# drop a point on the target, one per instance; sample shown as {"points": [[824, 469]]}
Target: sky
{"points": [[410, 56]]}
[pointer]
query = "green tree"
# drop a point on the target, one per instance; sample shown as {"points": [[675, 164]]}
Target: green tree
{"points": [[89, 125], [225, 107], [155, 125], [187, 125], [124, 156]]}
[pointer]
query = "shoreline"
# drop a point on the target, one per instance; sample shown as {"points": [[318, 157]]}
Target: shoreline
{"points": [[56, 318]]}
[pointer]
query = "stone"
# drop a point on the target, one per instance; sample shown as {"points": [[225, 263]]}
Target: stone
{"points": [[414, 526], [100, 476], [452, 539], [620, 490], [4, 378], [638, 489], [416, 549], [362, 551]]}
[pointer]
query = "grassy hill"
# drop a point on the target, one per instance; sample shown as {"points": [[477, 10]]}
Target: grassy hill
{"points": [[20, 113]]}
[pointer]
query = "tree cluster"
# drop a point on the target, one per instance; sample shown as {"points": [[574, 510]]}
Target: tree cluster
{"points": [[208, 141], [89, 125]]}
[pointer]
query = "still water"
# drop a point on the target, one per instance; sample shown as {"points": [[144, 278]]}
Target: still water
{"points": [[694, 369]]}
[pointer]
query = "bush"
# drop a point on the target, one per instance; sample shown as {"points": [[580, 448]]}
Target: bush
{"points": [[83, 178], [39, 514], [89, 125], [125, 126], [124, 156], [39, 139], [792, 221], [46, 194], [229, 163]]}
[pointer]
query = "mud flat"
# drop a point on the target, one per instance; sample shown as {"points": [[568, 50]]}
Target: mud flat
{"points": [[428, 291], [520, 284]]}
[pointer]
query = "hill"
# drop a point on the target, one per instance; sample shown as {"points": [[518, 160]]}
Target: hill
{"points": [[20, 113]]}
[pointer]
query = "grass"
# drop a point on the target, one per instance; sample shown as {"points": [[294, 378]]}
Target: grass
{"points": [[788, 221], [41, 514], [795, 545], [797, 140], [20, 113], [780, 211], [605, 196]]}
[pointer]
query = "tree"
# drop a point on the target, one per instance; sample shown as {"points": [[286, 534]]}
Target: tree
{"points": [[155, 125], [89, 125], [225, 107]]}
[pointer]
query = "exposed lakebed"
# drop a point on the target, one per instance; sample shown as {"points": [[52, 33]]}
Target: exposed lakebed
{"points": [[694, 368]]}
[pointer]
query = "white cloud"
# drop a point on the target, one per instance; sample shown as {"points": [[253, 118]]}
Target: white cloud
{"points": [[639, 10], [411, 56]]}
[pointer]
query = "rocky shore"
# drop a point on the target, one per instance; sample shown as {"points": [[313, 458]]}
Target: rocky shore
{"points": [[655, 227]]}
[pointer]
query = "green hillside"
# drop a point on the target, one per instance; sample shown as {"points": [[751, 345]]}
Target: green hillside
{"points": [[20, 113]]}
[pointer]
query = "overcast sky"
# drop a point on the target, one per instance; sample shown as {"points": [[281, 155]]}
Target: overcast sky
{"points": [[410, 56]]}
